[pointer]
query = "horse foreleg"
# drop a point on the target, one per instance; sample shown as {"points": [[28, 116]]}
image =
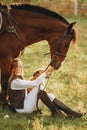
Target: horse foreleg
{"points": [[4, 93], [0, 86]]}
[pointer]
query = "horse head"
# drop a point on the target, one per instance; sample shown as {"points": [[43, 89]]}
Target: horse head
{"points": [[61, 46]]}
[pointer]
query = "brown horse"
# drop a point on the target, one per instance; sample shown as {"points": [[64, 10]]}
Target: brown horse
{"points": [[23, 25]]}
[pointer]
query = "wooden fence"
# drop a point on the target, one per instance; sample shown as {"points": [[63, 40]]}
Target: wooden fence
{"points": [[64, 6], [68, 7], [60, 6]]}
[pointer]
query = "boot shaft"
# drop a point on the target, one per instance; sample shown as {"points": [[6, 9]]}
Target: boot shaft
{"points": [[46, 100]]}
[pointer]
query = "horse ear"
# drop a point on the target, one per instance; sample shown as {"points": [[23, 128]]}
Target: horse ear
{"points": [[70, 27]]}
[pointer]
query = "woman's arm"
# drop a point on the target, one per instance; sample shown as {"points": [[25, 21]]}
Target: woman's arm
{"points": [[19, 84]]}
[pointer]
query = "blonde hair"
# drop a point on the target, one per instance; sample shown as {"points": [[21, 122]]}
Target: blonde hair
{"points": [[15, 63]]}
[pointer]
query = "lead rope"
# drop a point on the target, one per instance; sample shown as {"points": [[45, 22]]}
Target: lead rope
{"points": [[39, 91], [46, 83]]}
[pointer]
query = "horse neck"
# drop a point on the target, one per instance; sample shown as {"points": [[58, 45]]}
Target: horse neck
{"points": [[34, 29]]}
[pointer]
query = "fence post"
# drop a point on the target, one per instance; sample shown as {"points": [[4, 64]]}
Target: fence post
{"points": [[75, 7]]}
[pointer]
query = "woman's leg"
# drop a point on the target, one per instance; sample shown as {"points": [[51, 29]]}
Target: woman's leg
{"points": [[52, 97], [55, 105], [47, 100], [30, 102], [70, 113]]}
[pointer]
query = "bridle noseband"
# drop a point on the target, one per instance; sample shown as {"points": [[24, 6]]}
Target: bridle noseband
{"points": [[57, 53]]}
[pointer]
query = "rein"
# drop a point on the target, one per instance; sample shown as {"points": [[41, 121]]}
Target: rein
{"points": [[43, 90], [48, 77]]}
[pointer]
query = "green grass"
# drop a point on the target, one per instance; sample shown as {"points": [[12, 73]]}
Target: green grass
{"points": [[69, 84]]}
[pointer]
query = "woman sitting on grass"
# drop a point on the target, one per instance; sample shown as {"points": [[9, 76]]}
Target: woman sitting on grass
{"points": [[24, 100]]}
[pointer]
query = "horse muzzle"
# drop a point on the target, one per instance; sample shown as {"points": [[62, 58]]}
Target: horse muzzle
{"points": [[54, 63]]}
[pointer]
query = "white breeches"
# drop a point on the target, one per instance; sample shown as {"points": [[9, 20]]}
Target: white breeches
{"points": [[30, 101]]}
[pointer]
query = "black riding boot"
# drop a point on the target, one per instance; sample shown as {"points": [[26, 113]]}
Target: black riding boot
{"points": [[70, 113], [46, 100]]}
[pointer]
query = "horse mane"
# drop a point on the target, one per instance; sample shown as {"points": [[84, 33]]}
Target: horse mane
{"points": [[39, 9]]}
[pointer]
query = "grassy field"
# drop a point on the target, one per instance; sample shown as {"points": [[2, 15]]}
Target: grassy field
{"points": [[69, 84]]}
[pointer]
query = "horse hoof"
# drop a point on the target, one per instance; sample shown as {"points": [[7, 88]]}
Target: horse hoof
{"points": [[8, 108]]}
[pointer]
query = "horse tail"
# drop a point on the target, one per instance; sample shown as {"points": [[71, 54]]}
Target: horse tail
{"points": [[75, 37]]}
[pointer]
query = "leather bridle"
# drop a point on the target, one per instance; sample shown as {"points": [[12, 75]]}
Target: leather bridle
{"points": [[57, 53], [62, 37]]}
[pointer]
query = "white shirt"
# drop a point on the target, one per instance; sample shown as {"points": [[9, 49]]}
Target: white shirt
{"points": [[19, 84]]}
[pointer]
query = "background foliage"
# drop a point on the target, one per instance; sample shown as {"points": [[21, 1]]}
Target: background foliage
{"points": [[61, 6]]}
